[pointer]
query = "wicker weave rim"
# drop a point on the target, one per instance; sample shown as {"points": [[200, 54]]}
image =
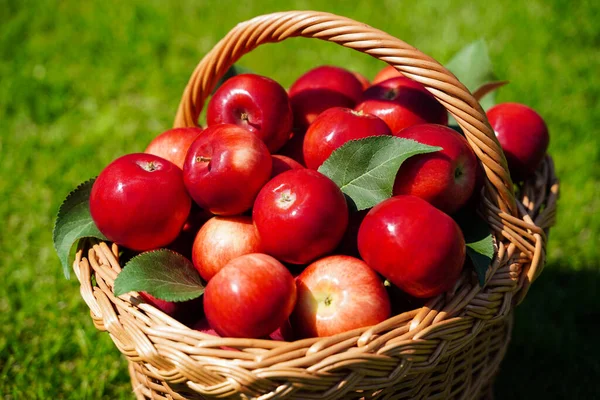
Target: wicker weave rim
{"points": [[164, 353]]}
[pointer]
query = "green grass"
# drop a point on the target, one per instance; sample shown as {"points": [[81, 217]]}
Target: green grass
{"points": [[84, 82]]}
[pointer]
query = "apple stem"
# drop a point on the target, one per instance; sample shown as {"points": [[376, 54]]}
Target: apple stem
{"points": [[244, 117], [203, 159]]}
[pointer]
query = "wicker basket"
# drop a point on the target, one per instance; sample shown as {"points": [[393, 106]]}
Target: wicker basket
{"points": [[450, 348]]}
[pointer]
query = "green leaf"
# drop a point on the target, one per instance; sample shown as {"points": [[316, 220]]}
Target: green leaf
{"points": [[365, 169], [231, 72], [74, 222], [163, 274], [479, 241], [473, 67]]}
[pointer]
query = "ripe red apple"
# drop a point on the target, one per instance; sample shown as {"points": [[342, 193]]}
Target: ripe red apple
{"points": [[139, 201], [402, 102], [336, 126], [523, 135], [173, 144], [250, 297], [386, 73], [362, 79], [412, 244], [222, 239], [256, 103], [337, 294], [282, 164], [225, 168], [300, 215], [322, 88], [445, 178]]}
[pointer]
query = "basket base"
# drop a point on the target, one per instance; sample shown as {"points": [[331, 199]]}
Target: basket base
{"points": [[467, 373]]}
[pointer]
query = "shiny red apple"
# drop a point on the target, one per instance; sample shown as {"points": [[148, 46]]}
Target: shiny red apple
{"points": [[445, 178], [412, 244], [523, 135], [250, 297], [402, 102], [173, 144], [337, 294], [222, 239], [300, 215], [225, 168], [282, 164], [139, 201], [336, 126], [256, 103], [322, 88]]}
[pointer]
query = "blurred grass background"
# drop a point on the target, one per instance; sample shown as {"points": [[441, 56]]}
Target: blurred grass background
{"points": [[82, 83]]}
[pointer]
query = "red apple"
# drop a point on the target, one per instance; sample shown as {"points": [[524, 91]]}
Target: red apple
{"points": [[337, 294], [362, 79], [402, 102], [173, 144], [256, 103], [523, 135], [386, 73], [282, 164], [222, 239], [336, 126], [300, 215], [225, 168], [139, 201], [412, 244], [250, 297], [322, 88], [445, 178]]}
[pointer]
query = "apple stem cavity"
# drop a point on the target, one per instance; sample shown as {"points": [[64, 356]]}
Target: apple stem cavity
{"points": [[286, 199], [391, 94], [149, 166], [458, 172]]}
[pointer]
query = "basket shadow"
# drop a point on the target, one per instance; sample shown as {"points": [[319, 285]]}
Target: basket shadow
{"points": [[553, 353]]}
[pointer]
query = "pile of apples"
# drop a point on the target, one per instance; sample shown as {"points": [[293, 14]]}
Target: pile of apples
{"points": [[275, 240]]}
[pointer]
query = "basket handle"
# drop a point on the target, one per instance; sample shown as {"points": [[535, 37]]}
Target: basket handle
{"points": [[442, 84]]}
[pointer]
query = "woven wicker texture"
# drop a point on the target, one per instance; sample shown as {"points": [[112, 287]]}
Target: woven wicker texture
{"points": [[450, 348]]}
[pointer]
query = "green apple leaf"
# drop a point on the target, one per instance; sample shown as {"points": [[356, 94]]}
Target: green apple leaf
{"points": [[479, 241], [163, 274], [473, 67], [365, 169], [74, 222]]}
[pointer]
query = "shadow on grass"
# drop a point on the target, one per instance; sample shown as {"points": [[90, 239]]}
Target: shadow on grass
{"points": [[554, 353]]}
